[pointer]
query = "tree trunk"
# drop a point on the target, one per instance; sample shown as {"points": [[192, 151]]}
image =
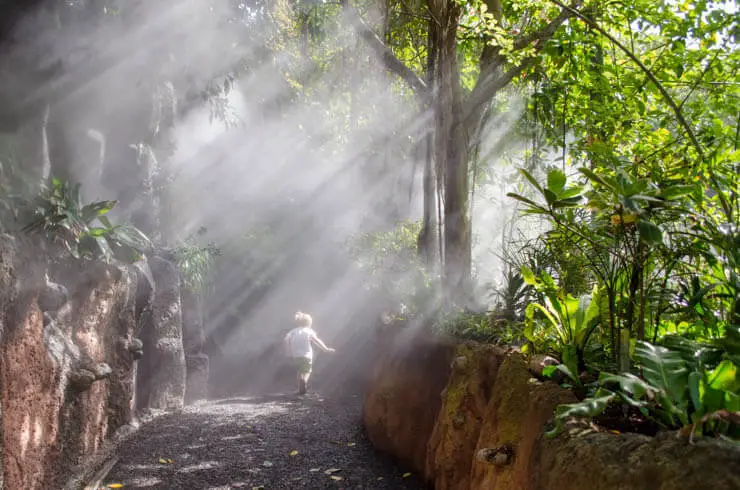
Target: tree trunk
{"points": [[427, 243], [452, 155]]}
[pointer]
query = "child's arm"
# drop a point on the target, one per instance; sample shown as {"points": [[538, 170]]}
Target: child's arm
{"points": [[320, 343]]}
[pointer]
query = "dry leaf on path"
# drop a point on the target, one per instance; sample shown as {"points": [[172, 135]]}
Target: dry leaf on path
{"points": [[294, 453], [332, 470]]}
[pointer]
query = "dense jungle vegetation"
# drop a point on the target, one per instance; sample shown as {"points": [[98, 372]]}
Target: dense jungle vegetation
{"points": [[618, 166]]}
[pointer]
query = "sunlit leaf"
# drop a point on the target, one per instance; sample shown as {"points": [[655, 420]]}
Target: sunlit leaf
{"points": [[724, 377], [556, 181]]}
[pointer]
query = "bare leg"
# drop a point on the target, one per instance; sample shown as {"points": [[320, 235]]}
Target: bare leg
{"points": [[303, 382]]}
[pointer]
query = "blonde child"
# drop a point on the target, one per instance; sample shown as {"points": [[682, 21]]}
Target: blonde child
{"points": [[299, 349]]}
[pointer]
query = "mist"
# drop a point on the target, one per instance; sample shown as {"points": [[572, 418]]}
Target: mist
{"points": [[283, 164]]}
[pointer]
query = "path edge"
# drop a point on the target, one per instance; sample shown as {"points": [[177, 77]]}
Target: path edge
{"points": [[90, 473]]}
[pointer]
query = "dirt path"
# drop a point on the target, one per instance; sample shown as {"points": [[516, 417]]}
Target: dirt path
{"points": [[258, 442]]}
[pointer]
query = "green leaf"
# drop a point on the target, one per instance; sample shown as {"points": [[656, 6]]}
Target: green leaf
{"points": [[677, 191], [96, 209], [695, 380], [592, 176], [724, 377], [590, 407], [548, 371], [556, 181], [649, 232], [570, 192], [531, 179], [567, 371], [528, 275], [569, 202], [664, 369], [628, 382], [97, 232], [533, 205], [106, 222], [132, 237]]}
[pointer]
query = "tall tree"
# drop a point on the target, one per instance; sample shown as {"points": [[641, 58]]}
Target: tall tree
{"points": [[509, 37]]}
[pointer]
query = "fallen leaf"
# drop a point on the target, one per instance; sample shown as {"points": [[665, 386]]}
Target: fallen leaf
{"points": [[294, 453], [336, 478], [162, 461], [406, 475], [261, 487], [267, 464], [380, 478], [332, 470], [314, 470], [115, 485], [350, 444]]}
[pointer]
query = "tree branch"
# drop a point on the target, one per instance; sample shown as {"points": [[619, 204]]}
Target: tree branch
{"points": [[390, 61], [491, 80]]}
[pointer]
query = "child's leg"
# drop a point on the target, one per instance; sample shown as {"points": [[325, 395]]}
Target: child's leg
{"points": [[304, 373]]}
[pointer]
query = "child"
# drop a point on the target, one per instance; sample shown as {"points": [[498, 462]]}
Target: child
{"points": [[299, 350]]}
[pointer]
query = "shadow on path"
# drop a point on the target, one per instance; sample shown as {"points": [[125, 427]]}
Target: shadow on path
{"points": [[269, 441]]}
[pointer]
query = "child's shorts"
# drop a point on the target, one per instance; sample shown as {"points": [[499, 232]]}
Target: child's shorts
{"points": [[302, 364]]}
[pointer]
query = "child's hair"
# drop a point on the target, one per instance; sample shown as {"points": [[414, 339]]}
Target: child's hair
{"points": [[303, 319]]}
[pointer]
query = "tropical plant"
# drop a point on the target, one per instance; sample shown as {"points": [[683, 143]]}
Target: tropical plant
{"points": [[572, 320], [670, 391], [512, 296], [84, 230], [196, 261], [486, 327]]}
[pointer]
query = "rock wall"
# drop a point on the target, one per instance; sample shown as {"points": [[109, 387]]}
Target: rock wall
{"points": [[68, 358], [464, 401], [197, 362], [162, 372], [487, 429], [403, 399]]}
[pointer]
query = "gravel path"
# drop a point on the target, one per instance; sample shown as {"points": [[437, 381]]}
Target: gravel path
{"points": [[258, 442]]}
